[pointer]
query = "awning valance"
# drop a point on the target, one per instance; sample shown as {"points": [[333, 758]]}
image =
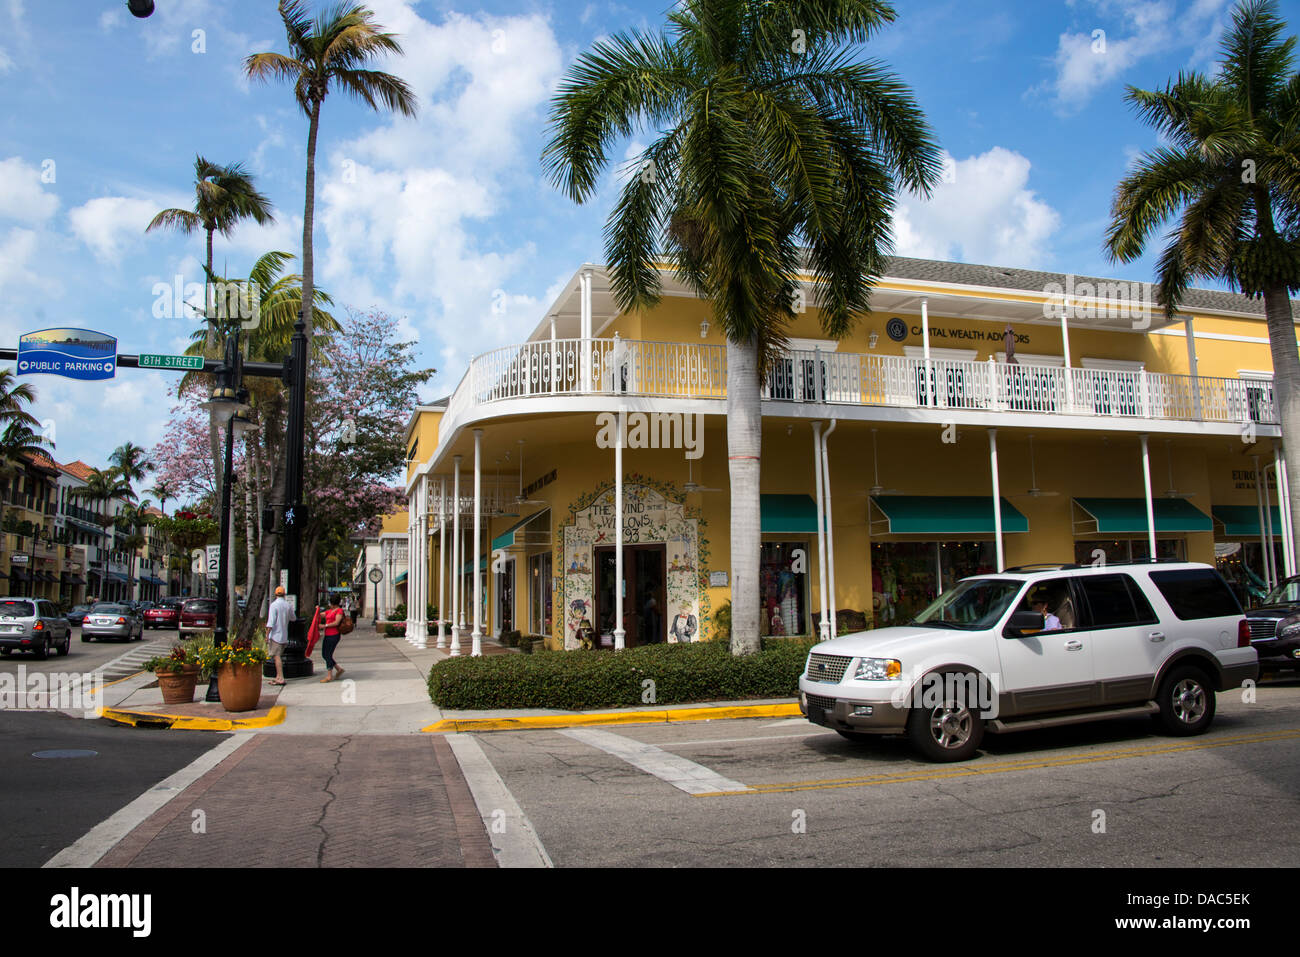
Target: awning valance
{"points": [[400, 579], [787, 514], [507, 538], [1116, 516], [943, 516], [20, 575], [1242, 521]]}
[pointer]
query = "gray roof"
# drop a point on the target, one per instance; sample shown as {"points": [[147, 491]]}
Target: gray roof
{"points": [[1029, 280]]}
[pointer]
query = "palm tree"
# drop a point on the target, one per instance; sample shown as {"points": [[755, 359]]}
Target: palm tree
{"points": [[1231, 174], [330, 52], [131, 522], [18, 435], [164, 491], [224, 195], [102, 486], [773, 158], [131, 464]]}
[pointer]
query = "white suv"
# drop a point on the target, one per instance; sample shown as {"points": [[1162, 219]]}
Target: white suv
{"points": [[1034, 647]]}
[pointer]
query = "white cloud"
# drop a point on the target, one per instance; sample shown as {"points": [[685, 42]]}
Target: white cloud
{"points": [[6, 62], [23, 196], [108, 224], [1087, 61], [110, 20], [18, 250], [986, 214]]}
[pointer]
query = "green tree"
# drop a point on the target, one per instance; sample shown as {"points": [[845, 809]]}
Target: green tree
{"points": [[778, 152], [102, 486], [18, 435], [330, 53], [1230, 175], [132, 465]]}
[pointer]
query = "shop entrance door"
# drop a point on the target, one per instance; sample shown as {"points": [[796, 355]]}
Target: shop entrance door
{"points": [[644, 570]]}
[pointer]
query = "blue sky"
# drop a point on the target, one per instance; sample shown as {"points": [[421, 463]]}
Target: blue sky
{"points": [[446, 220]]}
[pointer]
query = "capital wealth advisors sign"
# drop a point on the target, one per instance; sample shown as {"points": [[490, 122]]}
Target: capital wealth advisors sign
{"points": [[71, 353]]}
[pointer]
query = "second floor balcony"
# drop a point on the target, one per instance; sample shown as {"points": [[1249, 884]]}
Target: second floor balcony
{"points": [[698, 371]]}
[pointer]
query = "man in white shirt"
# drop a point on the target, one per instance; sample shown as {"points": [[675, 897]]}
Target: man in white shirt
{"points": [[277, 631], [1050, 621]]}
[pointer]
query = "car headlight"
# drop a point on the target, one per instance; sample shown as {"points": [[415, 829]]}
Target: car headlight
{"points": [[1289, 627], [878, 669]]}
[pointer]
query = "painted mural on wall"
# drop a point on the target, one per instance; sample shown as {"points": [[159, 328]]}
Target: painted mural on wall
{"points": [[653, 513]]}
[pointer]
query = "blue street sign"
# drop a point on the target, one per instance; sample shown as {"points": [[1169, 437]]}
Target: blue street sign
{"points": [[71, 353]]}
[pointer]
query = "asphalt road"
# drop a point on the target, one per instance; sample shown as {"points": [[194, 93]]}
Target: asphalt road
{"points": [[49, 803], [788, 793]]}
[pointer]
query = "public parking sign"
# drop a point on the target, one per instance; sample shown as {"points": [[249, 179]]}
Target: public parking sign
{"points": [[71, 353]]}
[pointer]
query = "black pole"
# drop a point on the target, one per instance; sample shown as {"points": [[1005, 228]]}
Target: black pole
{"points": [[219, 632], [296, 663]]}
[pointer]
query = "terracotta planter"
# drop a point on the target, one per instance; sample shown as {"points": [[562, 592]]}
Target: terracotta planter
{"points": [[240, 686], [178, 686]]}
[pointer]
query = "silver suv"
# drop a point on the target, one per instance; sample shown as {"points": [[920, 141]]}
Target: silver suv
{"points": [[1034, 647], [33, 624]]}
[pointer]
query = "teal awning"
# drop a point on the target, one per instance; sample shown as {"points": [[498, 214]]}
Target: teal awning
{"points": [[782, 514], [507, 538], [944, 515], [1114, 516], [399, 579], [1242, 521]]}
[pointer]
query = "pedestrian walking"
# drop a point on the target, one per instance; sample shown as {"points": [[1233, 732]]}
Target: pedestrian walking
{"points": [[277, 631], [333, 620]]}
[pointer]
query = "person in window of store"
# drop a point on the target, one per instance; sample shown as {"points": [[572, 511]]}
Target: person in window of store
{"points": [[1050, 621]]}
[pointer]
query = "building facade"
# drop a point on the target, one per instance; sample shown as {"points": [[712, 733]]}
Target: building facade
{"points": [[575, 486]]}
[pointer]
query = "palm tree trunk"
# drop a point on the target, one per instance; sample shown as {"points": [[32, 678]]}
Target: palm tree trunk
{"points": [[266, 559], [744, 450], [248, 521], [1286, 383], [308, 220]]}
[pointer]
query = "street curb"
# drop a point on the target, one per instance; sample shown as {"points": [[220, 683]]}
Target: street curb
{"points": [[177, 722], [451, 725]]}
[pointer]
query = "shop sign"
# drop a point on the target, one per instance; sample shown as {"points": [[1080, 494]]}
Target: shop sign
{"points": [[717, 579], [19, 558], [984, 335], [71, 353], [1245, 479]]}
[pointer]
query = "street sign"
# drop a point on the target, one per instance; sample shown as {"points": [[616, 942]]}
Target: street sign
{"points": [[214, 562], [71, 353], [152, 361], [284, 578]]}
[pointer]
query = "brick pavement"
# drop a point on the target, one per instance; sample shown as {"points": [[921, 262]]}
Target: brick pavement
{"points": [[319, 801]]}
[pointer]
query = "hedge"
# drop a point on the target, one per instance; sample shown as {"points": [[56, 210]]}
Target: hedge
{"points": [[580, 680]]}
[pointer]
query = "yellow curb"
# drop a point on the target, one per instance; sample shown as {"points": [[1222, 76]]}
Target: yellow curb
{"points": [[613, 717], [176, 722]]}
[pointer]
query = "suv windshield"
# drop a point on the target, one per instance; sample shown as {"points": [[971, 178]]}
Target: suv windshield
{"points": [[972, 605]]}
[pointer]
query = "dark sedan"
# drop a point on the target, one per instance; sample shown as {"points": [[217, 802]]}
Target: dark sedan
{"points": [[1275, 627]]}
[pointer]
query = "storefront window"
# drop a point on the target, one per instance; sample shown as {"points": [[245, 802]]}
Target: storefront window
{"points": [[1242, 566], [539, 586], [907, 576], [1113, 551], [783, 589]]}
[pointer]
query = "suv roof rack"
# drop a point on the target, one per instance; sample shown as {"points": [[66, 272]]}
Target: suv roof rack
{"points": [[1055, 566]]}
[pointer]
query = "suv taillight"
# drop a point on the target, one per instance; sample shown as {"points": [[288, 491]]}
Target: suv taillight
{"points": [[39, 626], [1243, 634]]}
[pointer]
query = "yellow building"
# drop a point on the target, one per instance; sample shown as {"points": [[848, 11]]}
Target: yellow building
{"points": [[978, 418]]}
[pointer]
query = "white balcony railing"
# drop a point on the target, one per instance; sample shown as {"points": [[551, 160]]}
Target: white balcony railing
{"points": [[681, 370]]}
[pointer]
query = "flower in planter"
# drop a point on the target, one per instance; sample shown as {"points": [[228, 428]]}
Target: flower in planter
{"points": [[236, 652], [174, 663]]}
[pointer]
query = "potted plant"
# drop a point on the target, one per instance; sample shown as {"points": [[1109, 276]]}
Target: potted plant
{"points": [[238, 667], [178, 673]]}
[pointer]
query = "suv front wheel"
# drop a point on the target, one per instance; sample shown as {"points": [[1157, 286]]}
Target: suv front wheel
{"points": [[1186, 701], [951, 732]]}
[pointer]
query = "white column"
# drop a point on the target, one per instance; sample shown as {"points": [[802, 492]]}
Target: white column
{"points": [[555, 360], [1268, 529], [825, 627], [412, 541], [1151, 509], [619, 632], [1065, 350], [476, 637], [455, 561], [442, 562], [1284, 509], [422, 581], [830, 526], [1259, 505], [997, 499], [925, 350], [584, 285]]}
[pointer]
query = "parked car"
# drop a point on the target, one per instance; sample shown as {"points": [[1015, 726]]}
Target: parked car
{"points": [[166, 614], [1033, 648], [112, 620], [78, 612], [1275, 627], [198, 614], [33, 624]]}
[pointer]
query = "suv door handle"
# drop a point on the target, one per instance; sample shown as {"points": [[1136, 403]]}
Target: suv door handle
{"points": [[1073, 645], [1157, 636]]}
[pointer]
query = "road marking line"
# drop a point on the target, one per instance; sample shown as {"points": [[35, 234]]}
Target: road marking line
{"points": [[1019, 765], [514, 840], [681, 773], [105, 835], [820, 733]]}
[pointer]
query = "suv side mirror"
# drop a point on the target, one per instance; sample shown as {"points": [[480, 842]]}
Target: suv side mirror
{"points": [[1021, 621]]}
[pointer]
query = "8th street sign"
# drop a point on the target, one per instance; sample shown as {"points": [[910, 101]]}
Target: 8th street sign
{"points": [[149, 361]]}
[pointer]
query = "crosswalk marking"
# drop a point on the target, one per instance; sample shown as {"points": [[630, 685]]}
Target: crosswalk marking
{"points": [[673, 769]]}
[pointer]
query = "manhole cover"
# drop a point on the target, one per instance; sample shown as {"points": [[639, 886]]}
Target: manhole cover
{"points": [[65, 753]]}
